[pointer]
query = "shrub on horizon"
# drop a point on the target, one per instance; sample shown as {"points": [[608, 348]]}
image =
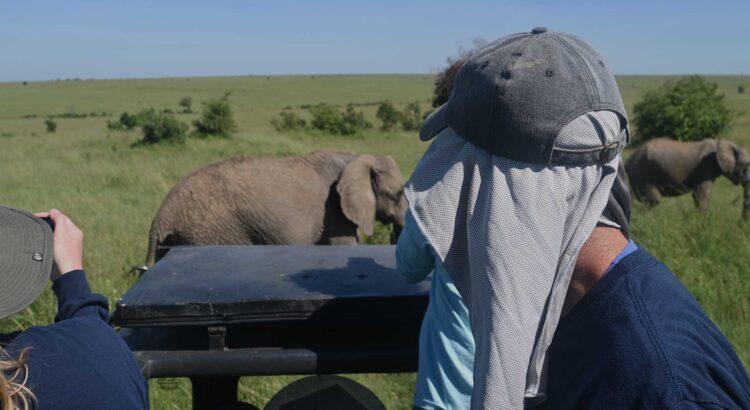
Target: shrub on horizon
{"points": [[50, 124], [288, 121], [186, 103], [115, 125], [688, 109], [353, 121], [216, 119], [325, 117], [160, 127], [411, 117], [328, 118], [129, 121], [388, 115]]}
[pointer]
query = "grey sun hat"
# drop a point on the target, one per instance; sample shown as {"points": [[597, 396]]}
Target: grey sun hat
{"points": [[26, 256], [514, 96]]}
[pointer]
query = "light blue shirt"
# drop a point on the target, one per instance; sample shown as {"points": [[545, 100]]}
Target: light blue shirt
{"points": [[630, 248], [446, 345]]}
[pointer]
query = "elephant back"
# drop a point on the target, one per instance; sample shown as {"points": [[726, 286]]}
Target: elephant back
{"points": [[245, 200]]}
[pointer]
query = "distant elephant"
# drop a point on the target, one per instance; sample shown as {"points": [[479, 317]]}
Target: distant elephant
{"points": [[664, 167], [319, 198]]}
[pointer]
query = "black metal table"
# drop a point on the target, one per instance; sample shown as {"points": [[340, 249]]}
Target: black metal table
{"points": [[220, 312]]}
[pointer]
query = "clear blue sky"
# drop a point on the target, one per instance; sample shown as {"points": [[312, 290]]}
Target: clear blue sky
{"points": [[159, 38]]}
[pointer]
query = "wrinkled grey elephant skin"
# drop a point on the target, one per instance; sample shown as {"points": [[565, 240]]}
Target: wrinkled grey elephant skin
{"points": [[664, 167], [320, 198]]}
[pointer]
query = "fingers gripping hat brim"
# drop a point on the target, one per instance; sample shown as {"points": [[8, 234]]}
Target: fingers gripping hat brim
{"points": [[26, 255]]}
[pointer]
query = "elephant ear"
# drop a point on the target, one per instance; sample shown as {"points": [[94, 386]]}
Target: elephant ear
{"points": [[725, 156], [356, 191]]}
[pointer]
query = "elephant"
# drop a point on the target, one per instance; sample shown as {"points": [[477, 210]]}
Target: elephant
{"points": [[665, 167], [319, 198]]}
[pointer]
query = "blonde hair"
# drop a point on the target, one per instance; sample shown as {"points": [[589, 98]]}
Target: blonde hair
{"points": [[14, 395]]}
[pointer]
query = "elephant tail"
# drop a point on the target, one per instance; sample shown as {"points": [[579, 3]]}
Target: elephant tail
{"points": [[153, 246]]}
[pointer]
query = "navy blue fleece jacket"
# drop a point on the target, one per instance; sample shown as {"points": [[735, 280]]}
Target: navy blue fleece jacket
{"points": [[640, 340], [80, 362]]}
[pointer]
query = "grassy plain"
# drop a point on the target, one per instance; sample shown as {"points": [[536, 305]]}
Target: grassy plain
{"points": [[113, 190]]}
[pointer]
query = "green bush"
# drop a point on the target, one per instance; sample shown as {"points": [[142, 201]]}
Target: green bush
{"points": [[160, 127], [328, 118], [186, 103], [353, 121], [115, 125], [411, 117], [686, 110], [50, 124], [288, 121], [741, 89], [388, 115], [216, 119], [129, 121], [325, 117]]}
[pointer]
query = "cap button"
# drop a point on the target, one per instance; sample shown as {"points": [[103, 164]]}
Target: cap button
{"points": [[539, 30]]}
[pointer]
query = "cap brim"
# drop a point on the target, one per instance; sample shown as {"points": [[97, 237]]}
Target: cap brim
{"points": [[26, 254], [434, 124]]}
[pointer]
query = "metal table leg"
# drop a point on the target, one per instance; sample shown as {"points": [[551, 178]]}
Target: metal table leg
{"points": [[212, 392]]}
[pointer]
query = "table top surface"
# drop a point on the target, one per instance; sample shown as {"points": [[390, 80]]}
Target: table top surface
{"points": [[208, 285]]}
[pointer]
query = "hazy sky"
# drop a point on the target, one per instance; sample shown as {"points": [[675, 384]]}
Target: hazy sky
{"points": [[105, 39]]}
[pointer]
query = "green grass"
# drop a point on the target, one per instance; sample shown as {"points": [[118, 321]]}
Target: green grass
{"points": [[113, 190]]}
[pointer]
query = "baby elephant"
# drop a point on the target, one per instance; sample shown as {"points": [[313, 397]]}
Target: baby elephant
{"points": [[664, 167], [320, 198]]}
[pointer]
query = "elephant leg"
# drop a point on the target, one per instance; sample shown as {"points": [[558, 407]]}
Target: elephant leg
{"points": [[701, 195], [652, 194]]}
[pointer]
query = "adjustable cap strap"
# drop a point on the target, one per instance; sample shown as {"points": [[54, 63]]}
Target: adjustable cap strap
{"points": [[599, 155]]}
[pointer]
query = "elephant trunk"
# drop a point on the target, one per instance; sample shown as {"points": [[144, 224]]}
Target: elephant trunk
{"points": [[746, 202], [396, 232]]}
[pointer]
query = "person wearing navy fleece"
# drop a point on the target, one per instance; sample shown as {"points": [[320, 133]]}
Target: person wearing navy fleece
{"points": [[79, 362], [630, 336], [634, 337]]}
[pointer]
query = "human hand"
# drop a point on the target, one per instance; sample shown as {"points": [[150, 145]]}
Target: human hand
{"points": [[68, 240]]}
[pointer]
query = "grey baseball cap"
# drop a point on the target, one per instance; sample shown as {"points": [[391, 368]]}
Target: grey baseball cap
{"points": [[513, 97], [26, 256]]}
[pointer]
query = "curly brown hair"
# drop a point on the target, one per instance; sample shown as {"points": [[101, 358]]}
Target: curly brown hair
{"points": [[444, 81], [14, 394]]}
